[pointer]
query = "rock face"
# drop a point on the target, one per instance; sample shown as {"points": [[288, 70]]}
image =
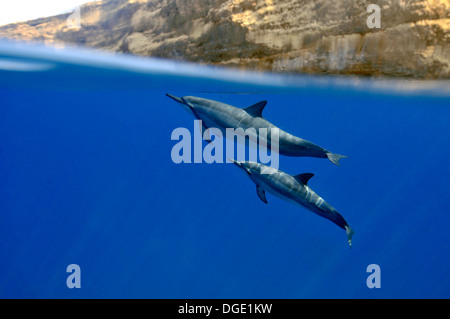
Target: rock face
{"points": [[307, 36]]}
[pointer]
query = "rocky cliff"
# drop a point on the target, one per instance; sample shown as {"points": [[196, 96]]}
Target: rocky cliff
{"points": [[307, 36]]}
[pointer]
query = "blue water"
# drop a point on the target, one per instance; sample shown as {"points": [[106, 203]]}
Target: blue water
{"points": [[86, 178]]}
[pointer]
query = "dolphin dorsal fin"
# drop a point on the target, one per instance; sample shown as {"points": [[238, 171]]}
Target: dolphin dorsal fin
{"points": [[304, 178], [256, 109]]}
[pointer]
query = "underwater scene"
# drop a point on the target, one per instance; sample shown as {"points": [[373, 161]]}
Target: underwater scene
{"points": [[104, 173]]}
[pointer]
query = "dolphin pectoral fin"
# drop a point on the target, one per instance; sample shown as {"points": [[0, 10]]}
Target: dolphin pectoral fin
{"points": [[205, 132], [350, 233], [256, 109], [334, 158], [261, 193]]}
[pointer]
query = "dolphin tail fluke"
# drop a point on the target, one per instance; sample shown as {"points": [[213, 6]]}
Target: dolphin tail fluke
{"points": [[350, 233], [334, 158]]}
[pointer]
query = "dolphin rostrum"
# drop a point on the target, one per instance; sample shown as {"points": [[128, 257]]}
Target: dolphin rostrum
{"points": [[292, 188], [220, 115]]}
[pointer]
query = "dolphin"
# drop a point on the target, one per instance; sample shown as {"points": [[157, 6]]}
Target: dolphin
{"points": [[292, 188], [220, 115]]}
